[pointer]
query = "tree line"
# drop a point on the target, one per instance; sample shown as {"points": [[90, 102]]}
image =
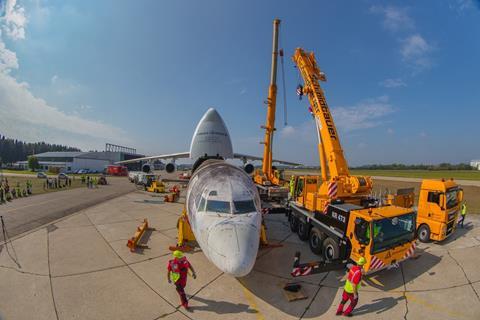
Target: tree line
{"points": [[13, 150], [400, 166]]}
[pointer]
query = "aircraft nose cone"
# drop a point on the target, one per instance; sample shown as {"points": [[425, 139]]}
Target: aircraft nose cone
{"points": [[234, 247], [212, 115]]}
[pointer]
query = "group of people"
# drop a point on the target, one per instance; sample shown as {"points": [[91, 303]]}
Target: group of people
{"points": [[56, 183], [92, 182], [7, 192]]}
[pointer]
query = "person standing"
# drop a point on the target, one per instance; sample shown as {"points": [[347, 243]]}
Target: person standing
{"points": [[350, 290], [292, 187], [463, 213], [177, 272]]}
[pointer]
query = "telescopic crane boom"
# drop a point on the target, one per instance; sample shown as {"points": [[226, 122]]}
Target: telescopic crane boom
{"points": [[267, 175], [334, 166]]}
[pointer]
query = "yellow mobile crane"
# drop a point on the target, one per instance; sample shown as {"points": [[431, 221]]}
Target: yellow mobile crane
{"points": [[334, 211], [268, 180]]}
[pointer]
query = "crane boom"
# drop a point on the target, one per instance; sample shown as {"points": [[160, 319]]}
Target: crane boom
{"points": [[271, 107], [329, 141], [267, 174]]}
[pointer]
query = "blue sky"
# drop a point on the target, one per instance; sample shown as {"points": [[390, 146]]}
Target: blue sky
{"points": [[403, 80]]}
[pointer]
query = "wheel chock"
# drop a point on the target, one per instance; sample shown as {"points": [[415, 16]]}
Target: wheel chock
{"points": [[132, 243]]}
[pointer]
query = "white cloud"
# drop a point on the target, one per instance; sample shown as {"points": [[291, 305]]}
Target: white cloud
{"points": [[415, 50], [288, 131], [462, 5], [365, 114], [14, 20], [85, 107], [393, 83], [394, 18], [27, 117], [8, 59], [390, 131], [19, 106]]}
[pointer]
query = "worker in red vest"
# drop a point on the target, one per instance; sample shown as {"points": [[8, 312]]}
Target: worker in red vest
{"points": [[350, 290], [177, 272]]}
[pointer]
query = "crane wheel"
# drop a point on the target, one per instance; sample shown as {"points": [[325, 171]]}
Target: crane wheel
{"points": [[331, 251], [315, 241], [293, 221], [302, 231], [423, 233]]}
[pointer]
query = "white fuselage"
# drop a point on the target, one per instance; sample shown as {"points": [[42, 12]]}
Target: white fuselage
{"points": [[223, 208]]}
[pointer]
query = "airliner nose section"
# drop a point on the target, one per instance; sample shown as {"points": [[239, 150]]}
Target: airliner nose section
{"points": [[234, 245]]}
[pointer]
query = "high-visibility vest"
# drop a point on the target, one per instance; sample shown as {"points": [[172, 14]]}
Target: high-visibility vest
{"points": [[464, 209], [175, 273], [376, 231], [349, 286], [292, 185]]}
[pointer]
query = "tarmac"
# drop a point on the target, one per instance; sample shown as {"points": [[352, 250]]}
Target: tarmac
{"points": [[79, 267]]}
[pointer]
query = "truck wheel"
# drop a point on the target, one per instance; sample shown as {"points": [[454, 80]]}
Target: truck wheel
{"points": [[293, 223], [423, 233], [316, 241], [302, 231], [330, 249]]}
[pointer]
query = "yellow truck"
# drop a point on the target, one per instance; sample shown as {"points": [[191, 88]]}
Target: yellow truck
{"points": [[438, 208]]}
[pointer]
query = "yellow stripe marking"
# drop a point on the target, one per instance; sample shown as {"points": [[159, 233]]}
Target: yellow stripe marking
{"points": [[435, 307], [251, 301], [375, 281]]}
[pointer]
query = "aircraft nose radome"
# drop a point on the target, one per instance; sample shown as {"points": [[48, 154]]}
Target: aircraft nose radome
{"points": [[234, 247], [212, 115]]}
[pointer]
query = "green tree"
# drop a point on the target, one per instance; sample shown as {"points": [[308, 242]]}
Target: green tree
{"points": [[33, 163]]}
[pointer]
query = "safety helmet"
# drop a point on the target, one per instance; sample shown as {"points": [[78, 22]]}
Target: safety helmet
{"points": [[361, 261], [178, 254]]}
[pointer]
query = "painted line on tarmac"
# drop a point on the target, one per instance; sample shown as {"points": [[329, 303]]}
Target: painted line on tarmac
{"points": [[31, 205], [435, 307], [251, 302]]}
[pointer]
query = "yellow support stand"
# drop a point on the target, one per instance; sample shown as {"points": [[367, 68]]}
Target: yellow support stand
{"points": [[263, 238], [184, 233]]}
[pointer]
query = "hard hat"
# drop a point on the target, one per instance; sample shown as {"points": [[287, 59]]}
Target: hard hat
{"points": [[361, 261], [178, 254]]}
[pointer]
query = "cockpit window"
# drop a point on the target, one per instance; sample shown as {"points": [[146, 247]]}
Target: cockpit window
{"points": [[218, 206], [244, 206], [201, 206]]}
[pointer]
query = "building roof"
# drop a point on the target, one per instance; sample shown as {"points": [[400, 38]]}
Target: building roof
{"points": [[59, 154]]}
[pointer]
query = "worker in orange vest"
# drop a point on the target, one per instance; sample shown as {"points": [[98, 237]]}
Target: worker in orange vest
{"points": [[177, 272], [350, 290]]}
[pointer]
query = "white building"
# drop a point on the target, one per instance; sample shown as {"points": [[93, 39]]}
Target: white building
{"points": [[73, 161], [475, 164]]}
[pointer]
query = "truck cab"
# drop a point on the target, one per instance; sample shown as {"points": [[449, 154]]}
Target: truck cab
{"points": [[438, 208], [384, 236]]}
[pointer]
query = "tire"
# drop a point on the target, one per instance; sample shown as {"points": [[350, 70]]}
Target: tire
{"points": [[423, 233], [303, 230], [293, 223], [331, 250], [315, 241]]}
